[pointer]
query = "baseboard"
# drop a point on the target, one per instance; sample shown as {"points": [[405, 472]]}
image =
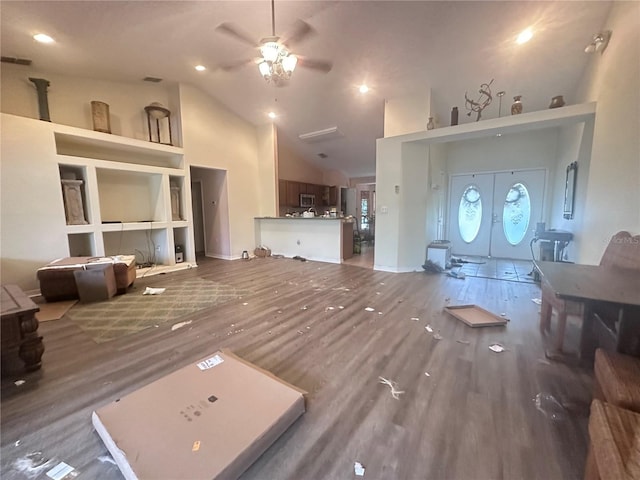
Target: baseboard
{"points": [[384, 268]]}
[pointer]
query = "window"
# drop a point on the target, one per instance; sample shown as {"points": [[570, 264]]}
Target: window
{"points": [[470, 213], [516, 214], [364, 210]]}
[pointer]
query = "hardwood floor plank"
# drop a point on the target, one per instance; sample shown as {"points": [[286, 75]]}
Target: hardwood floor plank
{"points": [[474, 416]]}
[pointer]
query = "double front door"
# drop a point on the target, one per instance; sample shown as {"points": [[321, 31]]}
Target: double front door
{"points": [[495, 214]]}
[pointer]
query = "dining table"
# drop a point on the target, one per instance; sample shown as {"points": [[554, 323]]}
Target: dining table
{"points": [[584, 288]]}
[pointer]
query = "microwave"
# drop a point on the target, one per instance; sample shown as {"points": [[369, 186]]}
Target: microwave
{"points": [[307, 200]]}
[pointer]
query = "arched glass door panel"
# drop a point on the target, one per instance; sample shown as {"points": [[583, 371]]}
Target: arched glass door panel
{"points": [[470, 213], [516, 213]]}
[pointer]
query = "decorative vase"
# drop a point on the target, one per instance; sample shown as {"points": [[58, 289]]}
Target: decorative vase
{"points": [[430, 124], [516, 108], [557, 102], [454, 116]]}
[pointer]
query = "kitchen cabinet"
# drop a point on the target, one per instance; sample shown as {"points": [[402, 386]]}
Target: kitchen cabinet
{"points": [[289, 193], [283, 200], [333, 196], [293, 194]]}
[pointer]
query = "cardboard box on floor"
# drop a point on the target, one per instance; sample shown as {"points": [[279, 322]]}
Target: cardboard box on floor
{"points": [[211, 419]]}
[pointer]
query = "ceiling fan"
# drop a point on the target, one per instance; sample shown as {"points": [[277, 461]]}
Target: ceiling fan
{"points": [[276, 62]]}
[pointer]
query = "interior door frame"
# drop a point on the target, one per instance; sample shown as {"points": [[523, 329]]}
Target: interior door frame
{"points": [[202, 219], [545, 190]]}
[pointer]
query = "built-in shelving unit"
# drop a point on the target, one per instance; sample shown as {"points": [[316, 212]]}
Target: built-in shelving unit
{"points": [[125, 196]]}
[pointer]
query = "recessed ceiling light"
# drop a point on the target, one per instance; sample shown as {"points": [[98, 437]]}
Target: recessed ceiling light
{"points": [[200, 68], [363, 88], [524, 36], [42, 38], [272, 115]]}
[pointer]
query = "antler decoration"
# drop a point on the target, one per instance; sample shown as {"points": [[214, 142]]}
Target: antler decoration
{"points": [[481, 104]]}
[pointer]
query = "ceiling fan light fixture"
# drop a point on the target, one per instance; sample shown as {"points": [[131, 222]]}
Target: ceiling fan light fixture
{"points": [[289, 63], [270, 51], [265, 69]]}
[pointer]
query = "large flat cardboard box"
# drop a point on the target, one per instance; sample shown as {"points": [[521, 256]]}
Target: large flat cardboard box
{"points": [[209, 420]]}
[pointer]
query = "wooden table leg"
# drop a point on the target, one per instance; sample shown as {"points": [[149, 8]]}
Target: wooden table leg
{"points": [[31, 348], [545, 312]]}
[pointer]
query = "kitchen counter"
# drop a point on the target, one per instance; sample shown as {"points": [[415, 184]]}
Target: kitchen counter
{"points": [[323, 239], [307, 218]]}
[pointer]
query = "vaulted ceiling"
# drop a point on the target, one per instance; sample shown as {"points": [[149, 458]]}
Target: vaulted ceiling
{"points": [[397, 48]]}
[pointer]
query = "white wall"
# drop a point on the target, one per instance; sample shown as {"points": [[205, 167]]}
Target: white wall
{"points": [[268, 170], [33, 219], [292, 166], [414, 191], [533, 149], [407, 113], [215, 137], [437, 192], [575, 143], [401, 212], [70, 100], [388, 175], [612, 79]]}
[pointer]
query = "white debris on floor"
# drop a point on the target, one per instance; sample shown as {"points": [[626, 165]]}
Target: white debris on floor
{"points": [[394, 393], [358, 469], [415, 319], [178, 325], [153, 291], [537, 301], [369, 309], [496, 347], [428, 329]]}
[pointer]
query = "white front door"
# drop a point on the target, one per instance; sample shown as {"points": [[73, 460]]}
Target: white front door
{"points": [[494, 214]]}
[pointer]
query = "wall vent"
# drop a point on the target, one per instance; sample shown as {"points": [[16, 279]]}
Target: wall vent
{"points": [[321, 135], [152, 79], [17, 61]]}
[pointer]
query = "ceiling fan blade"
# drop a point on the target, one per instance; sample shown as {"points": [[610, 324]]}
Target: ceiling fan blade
{"points": [[233, 31], [237, 65], [310, 63], [300, 31]]}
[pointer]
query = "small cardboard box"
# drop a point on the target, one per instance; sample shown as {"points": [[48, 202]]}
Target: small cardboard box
{"points": [[209, 420], [262, 252], [96, 282]]}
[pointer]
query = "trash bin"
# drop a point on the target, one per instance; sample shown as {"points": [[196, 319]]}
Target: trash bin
{"points": [[439, 252]]}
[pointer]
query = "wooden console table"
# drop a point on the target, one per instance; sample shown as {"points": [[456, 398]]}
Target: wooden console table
{"points": [[20, 327]]}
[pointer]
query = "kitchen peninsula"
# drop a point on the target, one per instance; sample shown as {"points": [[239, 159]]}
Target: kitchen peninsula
{"points": [[323, 239]]}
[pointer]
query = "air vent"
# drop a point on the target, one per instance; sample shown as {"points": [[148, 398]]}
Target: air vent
{"points": [[152, 79], [17, 61], [321, 135], [322, 155]]}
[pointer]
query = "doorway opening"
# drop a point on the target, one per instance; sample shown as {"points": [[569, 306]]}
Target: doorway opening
{"points": [[210, 206]]}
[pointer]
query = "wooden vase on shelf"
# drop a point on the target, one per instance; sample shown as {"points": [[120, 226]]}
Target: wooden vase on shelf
{"points": [[100, 116]]}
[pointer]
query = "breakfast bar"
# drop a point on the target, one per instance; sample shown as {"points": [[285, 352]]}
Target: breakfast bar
{"points": [[323, 239]]}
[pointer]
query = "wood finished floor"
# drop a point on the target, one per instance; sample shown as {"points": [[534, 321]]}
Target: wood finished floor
{"points": [[474, 417]]}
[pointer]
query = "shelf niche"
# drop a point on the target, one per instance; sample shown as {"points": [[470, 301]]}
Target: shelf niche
{"points": [[72, 182], [129, 197]]}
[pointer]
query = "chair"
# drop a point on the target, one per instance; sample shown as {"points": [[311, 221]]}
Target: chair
{"points": [[614, 453], [617, 379]]}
